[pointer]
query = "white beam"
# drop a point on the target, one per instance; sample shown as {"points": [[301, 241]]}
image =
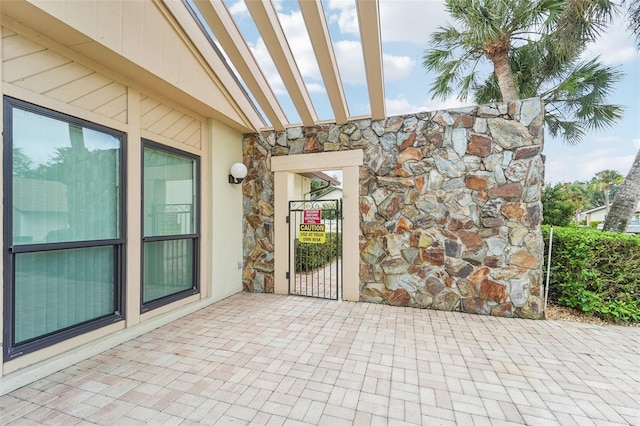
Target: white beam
{"points": [[266, 19], [219, 20], [315, 21], [243, 104], [369, 22]]}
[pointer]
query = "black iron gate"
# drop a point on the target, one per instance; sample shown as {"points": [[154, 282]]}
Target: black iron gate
{"points": [[315, 248]]}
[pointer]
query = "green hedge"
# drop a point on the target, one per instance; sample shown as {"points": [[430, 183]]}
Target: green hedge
{"points": [[310, 256], [596, 272]]}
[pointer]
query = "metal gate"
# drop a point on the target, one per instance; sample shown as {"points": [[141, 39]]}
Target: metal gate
{"points": [[315, 248]]}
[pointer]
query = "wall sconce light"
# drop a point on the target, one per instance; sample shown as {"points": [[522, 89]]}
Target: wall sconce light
{"points": [[237, 173]]}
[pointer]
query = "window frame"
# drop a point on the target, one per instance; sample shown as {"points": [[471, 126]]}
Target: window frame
{"points": [[194, 237], [11, 250]]}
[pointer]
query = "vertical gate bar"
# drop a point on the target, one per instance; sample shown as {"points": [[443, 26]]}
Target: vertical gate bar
{"points": [[334, 235], [339, 287], [303, 256], [332, 238], [321, 270], [339, 244], [298, 251], [306, 252], [324, 278], [294, 250]]}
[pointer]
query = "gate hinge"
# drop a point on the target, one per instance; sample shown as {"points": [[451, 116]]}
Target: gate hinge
{"points": [[287, 274], [287, 219]]}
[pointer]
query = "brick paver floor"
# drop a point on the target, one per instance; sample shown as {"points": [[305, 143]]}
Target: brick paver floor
{"points": [[267, 359]]}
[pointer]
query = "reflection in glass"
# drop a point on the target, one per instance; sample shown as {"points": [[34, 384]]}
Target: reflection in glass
{"points": [[168, 268], [57, 289], [169, 210], [168, 193], [65, 181]]}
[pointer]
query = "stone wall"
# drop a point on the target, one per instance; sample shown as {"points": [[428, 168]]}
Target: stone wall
{"points": [[449, 205]]}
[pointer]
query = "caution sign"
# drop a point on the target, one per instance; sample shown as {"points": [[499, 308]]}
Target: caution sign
{"points": [[312, 234]]}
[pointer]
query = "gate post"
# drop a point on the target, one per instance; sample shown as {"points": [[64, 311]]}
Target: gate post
{"points": [[350, 243], [283, 186]]}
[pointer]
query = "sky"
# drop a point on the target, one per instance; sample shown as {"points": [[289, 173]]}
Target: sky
{"points": [[406, 26]]}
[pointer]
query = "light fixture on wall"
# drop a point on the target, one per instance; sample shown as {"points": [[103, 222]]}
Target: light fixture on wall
{"points": [[237, 173]]}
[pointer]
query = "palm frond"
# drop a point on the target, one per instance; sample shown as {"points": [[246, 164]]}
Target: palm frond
{"points": [[543, 40]]}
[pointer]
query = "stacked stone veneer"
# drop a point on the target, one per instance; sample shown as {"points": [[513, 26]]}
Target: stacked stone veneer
{"points": [[450, 207]]}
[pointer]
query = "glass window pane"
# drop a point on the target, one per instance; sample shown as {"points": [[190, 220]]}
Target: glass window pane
{"points": [[65, 181], [169, 193], [58, 289], [168, 268]]}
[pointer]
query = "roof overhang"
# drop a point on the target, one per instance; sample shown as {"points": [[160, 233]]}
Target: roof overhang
{"points": [[321, 177]]}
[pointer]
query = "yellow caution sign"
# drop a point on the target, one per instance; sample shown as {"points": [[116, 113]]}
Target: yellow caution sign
{"points": [[312, 234]]}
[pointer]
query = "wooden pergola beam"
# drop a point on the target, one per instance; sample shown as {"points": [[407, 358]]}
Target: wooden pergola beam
{"points": [[228, 82], [369, 23], [221, 23], [266, 19], [315, 21]]}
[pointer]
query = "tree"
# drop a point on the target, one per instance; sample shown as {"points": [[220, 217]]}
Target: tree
{"points": [[626, 200], [603, 181], [628, 196], [596, 197], [633, 16], [560, 203], [534, 48], [22, 164]]}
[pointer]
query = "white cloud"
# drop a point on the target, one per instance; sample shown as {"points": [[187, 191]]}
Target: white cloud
{"points": [[636, 143], [449, 103], [397, 67], [615, 46], [410, 21], [238, 8], [298, 39], [343, 12], [315, 88], [401, 105], [348, 22], [350, 61], [583, 166], [607, 139], [269, 70]]}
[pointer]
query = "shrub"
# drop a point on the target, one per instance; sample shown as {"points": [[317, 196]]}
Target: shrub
{"points": [[329, 211], [310, 256], [594, 223], [596, 272], [559, 203]]}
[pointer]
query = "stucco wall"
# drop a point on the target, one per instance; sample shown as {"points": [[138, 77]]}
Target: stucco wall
{"points": [[450, 206], [39, 70]]}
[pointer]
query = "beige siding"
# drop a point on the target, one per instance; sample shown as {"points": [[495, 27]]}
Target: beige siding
{"points": [[169, 123], [146, 34], [45, 72], [50, 70]]}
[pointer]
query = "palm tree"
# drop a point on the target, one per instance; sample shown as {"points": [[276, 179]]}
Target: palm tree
{"points": [[534, 48], [633, 16], [574, 92], [626, 200], [603, 181], [628, 196]]}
